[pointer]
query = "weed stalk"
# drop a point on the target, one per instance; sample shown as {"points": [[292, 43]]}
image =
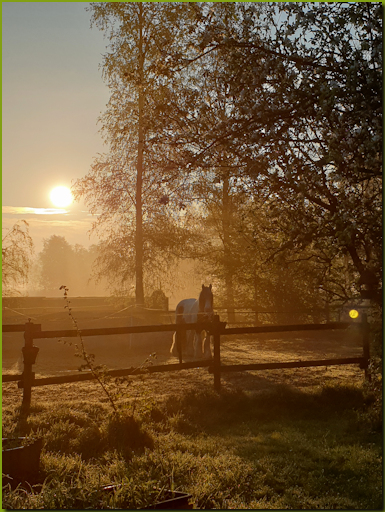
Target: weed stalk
{"points": [[87, 358]]}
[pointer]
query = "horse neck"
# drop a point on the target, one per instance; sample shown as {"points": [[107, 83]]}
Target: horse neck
{"points": [[202, 305]]}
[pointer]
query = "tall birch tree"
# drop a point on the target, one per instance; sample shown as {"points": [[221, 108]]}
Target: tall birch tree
{"points": [[130, 186]]}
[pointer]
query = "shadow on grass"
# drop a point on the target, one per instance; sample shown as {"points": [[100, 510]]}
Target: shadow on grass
{"points": [[294, 439], [207, 409]]}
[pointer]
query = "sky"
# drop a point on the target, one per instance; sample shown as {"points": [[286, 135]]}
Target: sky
{"points": [[52, 96]]}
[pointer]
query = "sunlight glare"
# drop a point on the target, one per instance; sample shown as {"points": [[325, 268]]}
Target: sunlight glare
{"points": [[61, 196]]}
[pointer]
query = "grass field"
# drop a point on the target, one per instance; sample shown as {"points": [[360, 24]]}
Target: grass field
{"points": [[304, 438]]}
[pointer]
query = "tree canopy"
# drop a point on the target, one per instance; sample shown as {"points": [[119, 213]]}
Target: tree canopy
{"points": [[279, 104], [305, 123]]}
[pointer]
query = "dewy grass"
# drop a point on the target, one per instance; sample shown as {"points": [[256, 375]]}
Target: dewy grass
{"points": [[279, 447]]}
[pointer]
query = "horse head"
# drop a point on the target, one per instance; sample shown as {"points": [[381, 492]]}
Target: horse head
{"points": [[206, 300]]}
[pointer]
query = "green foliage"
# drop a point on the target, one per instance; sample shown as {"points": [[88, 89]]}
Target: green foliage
{"points": [[372, 414], [306, 122], [130, 185], [56, 262]]}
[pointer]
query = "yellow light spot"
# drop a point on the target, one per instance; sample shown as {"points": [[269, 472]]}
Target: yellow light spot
{"points": [[353, 313]]}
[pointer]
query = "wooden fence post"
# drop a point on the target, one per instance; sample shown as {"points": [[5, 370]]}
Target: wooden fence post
{"points": [[180, 337], [366, 344], [29, 356], [217, 353]]}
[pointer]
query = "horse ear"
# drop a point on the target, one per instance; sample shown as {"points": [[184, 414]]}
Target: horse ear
{"points": [[203, 286], [210, 286]]}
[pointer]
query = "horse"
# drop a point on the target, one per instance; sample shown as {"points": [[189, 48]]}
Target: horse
{"points": [[190, 311]]}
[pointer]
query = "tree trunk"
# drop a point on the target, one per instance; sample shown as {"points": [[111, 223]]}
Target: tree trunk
{"points": [[256, 300], [139, 289], [228, 261], [368, 281]]}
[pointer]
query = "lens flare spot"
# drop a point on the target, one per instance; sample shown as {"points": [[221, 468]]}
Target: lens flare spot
{"points": [[353, 313]]}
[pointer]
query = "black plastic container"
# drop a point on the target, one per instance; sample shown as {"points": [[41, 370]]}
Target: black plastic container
{"points": [[21, 463]]}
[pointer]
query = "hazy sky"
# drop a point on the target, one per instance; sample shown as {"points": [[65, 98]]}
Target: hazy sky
{"points": [[52, 94]]}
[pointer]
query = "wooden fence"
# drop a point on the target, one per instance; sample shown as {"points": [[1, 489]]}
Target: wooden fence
{"points": [[216, 329]]}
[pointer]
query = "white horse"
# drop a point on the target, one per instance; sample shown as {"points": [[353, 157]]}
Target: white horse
{"points": [[189, 311]]}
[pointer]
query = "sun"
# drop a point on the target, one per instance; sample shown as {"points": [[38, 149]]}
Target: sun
{"points": [[61, 196]]}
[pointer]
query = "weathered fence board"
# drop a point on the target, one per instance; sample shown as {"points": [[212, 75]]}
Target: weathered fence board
{"points": [[83, 376], [290, 364], [286, 328], [12, 377], [18, 327], [110, 331]]}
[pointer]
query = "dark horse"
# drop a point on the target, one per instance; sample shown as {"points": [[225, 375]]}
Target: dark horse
{"points": [[190, 311]]}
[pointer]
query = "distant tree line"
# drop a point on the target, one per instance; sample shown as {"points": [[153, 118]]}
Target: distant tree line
{"points": [[60, 263]]}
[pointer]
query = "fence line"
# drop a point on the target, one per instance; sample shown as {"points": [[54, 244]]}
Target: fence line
{"points": [[286, 328], [215, 328], [291, 364], [83, 376]]}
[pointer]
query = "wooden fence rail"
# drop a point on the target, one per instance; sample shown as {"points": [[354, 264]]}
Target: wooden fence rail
{"points": [[215, 328]]}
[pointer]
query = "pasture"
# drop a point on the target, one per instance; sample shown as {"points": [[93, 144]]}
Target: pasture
{"points": [[303, 438]]}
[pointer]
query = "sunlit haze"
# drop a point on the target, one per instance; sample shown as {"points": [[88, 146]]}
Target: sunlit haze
{"points": [[53, 94]]}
